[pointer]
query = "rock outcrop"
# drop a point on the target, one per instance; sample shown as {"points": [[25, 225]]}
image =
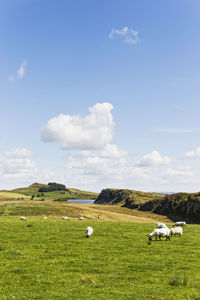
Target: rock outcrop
{"points": [[180, 206], [115, 196]]}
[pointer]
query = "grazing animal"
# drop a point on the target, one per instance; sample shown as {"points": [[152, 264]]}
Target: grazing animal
{"points": [[22, 218], [89, 231], [181, 223], [81, 218], [176, 231], [160, 225], [65, 218], [44, 218], [160, 232]]}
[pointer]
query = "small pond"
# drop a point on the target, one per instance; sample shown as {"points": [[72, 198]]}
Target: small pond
{"points": [[85, 201]]}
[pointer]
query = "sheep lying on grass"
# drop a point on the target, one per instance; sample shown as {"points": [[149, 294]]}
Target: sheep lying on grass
{"points": [[81, 218], [160, 232], [22, 218], [65, 218], [176, 231], [181, 223], [89, 231]]}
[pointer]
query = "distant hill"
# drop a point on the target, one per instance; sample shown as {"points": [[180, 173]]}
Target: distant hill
{"points": [[32, 192], [177, 206], [31, 189]]}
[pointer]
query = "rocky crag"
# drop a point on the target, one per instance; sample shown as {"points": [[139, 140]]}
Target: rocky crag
{"points": [[178, 206]]}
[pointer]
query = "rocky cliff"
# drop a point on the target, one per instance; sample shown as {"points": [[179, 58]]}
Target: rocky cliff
{"points": [[180, 206], [125, 197]]}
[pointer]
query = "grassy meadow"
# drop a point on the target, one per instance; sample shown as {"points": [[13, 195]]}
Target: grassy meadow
{"points": [[52, 259]]}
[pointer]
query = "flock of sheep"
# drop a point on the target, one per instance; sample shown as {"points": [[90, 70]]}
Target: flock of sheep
{"points": [[163, 231], [89, 230]]}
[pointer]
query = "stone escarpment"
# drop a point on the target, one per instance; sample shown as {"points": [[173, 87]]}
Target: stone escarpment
{"points": [[124, 197], [180, 206], [114, 196]]}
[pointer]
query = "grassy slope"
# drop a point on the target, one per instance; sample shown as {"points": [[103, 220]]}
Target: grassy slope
{"points": [[10, 196], [51, 259], [27, 192], [142, 197], [104, 212]]}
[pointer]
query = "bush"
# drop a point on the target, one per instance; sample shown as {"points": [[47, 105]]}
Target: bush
{"points": [[52, 186]]}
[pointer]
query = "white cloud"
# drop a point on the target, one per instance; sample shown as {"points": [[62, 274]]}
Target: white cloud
{"points": [[129, 35], [153, 159], [113, 152], [110, 166], [20, 72], [22, 69], [193, 153], [19, 153], [74, 132], [17, 161], [172, 130], [18, 167], [180, 172]]}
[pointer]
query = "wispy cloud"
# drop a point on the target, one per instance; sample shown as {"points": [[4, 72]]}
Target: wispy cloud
{"points": [[129, 35], [22, 69], [193, 153], [20, 72], [172, 130]]}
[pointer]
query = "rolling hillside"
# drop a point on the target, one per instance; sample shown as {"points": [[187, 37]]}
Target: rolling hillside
{"points": [[32, 192]]}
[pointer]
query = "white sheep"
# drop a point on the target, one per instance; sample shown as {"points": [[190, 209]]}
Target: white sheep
{"points": [[181, 223], [22, 218], [89, 231], [81, 218], [160, 225], [160, 232], [44, 218], [176, 231], [65, 218]]}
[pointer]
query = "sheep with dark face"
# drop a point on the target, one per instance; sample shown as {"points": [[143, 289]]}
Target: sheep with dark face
{"points": [[23, 218], [160, 232], [89, 231]]}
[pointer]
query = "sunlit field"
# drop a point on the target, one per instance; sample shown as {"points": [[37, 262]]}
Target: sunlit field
{"points": [[52, 259]]}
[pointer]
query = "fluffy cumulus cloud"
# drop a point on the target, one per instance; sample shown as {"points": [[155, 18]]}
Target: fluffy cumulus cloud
{"points": [[153, 159], [20, 72], [193, 153], [110, 166], [74, 132], [129, 35]]}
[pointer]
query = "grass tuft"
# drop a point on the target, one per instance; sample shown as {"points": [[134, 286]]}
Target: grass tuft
{"points": [[178, 281]]}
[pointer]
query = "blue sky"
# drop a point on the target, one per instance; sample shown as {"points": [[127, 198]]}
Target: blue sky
{"points": [[99, 94]]}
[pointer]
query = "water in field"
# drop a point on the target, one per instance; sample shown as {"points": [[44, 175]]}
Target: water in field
{"points": [[85, 201]]}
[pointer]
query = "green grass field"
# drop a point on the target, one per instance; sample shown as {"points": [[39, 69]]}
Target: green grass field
{"points": [[51, 259]]}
